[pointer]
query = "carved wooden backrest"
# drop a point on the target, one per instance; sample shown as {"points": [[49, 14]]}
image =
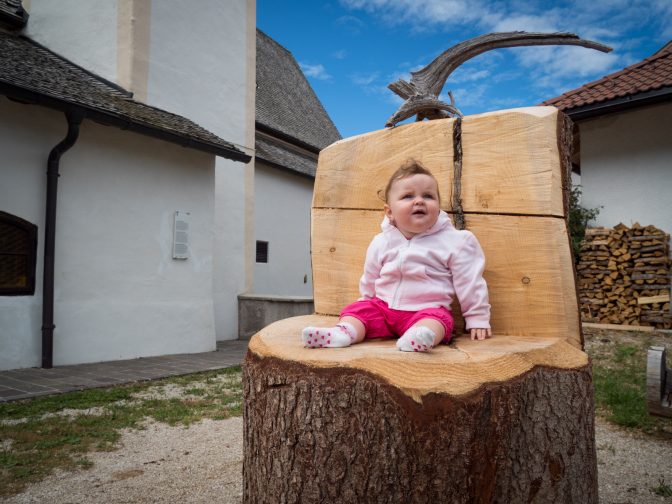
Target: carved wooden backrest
{"points": [[514, 185]]}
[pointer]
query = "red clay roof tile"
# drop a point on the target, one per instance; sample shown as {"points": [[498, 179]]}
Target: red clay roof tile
{"points": [[650, 74]]}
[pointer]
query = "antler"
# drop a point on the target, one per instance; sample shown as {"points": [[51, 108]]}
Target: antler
{"points": [[421, 94]]}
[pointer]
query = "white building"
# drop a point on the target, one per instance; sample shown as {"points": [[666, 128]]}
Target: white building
{"points": [[625, 124], [118, 291], [292, 127]]}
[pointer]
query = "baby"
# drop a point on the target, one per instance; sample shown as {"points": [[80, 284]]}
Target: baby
{"points": [[412, 271]]}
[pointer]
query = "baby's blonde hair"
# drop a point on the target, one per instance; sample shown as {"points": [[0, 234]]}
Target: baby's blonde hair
{"points": [[409, 168]]}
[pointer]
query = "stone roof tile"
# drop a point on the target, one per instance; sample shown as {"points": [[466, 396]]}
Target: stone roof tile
{"points": [[32, 73], [285, 101], [279, 155]]}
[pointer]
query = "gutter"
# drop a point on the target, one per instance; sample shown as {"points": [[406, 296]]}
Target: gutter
{"points": [[620, 104], [74, 119]]}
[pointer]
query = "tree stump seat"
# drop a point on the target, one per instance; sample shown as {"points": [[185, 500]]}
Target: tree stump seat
{"points": [[505, 420], [456, 369]]}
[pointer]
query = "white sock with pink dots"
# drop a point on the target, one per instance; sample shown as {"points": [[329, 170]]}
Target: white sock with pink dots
{"points": [[342, 335], [417, 339]]}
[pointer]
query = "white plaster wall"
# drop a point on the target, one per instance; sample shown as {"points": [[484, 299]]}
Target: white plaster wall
{"points": [[282, 218], [201, 65], [84, 32], [626, 166], [118, 292], [232, 244], [198, 63], [27, 134]]}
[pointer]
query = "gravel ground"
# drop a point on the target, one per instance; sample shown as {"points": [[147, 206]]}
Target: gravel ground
{"points": [[161, 464], [203, 464]]}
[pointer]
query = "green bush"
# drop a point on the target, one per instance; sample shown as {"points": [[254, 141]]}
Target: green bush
{"points": [[579, 218]]}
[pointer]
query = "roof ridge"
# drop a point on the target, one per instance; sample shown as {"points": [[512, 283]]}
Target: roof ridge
{"points": [[271, 39], [666, 48], [286, 101]]}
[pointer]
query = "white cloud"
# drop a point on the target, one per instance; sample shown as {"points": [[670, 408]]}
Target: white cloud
{"points": [[549, 66], [523, 22], [475, 95], [352, 24], [607, 21], [364, 80], [422, 13], [461, 75], [315, 71], [664, 10], [340, 54]]}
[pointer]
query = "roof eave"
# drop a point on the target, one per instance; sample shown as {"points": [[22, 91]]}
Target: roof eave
{"points": [[15, 20], [284, 168], [121, 122], [286, 137], [619, 104]]}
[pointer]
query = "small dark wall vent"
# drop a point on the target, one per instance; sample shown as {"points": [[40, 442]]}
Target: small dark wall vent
{"points": [[262, 251]]}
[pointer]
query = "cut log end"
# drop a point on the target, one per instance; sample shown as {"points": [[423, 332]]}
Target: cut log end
{"points": [[455, 369]]}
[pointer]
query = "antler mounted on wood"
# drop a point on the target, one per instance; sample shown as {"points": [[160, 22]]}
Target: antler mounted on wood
{"points": [[422, 93]]}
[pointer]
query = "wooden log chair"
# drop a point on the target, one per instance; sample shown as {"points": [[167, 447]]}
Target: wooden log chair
{"points": [[505, 420]]}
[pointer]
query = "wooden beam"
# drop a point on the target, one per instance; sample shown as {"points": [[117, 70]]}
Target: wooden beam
{"points": [[528, 268], [653, 299], [617, 327], [511, 163]]}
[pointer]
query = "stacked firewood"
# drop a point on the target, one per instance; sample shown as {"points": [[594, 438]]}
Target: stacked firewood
{"points": [[624, 276], [651, 275]]}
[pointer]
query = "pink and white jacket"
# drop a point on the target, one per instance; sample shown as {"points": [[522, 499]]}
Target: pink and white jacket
{"points": [[428, 271]]}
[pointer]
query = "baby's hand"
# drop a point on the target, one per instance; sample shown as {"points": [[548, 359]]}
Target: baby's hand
{"points": [[480, 334]]}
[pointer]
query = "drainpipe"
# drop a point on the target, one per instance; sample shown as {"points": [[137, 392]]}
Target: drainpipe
{"points": [[74, 120]]}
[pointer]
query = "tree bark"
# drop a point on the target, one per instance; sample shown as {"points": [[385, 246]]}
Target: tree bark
{"points": [[345, 435]]}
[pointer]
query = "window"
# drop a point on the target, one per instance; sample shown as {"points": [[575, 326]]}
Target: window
{"points": [[262, 251], [18, 247]]}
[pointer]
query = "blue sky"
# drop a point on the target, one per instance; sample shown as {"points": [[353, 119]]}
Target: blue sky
{"points": [[350, 50]]}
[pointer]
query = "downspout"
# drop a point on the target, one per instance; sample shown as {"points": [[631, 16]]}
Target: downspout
{"points": [[74, 120]]}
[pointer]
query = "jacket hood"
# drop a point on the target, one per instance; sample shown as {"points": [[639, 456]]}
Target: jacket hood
{"points": [[442, 222]]}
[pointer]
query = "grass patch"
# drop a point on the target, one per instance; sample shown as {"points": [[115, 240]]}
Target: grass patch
{"points": [[663, 489], [42, 434], [619, 378]]}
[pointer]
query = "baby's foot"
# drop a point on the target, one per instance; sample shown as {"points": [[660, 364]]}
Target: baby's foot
{"points": [[417, 339], [327, 337]]}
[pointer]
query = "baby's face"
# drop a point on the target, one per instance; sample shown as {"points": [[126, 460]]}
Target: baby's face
{"points": [[413, 204]]}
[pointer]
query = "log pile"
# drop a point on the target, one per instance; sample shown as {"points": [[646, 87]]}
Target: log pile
{"points": [[624, 276]]}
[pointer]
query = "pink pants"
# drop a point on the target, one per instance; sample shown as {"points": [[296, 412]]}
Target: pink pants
{"points": [[381, 321]]}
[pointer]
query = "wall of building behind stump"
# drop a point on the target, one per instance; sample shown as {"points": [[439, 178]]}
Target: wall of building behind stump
{"points": [[282, 218], [197, 61], [118, 292], [625, 167]]}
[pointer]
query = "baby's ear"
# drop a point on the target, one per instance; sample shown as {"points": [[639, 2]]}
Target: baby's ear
{"points": [[388, 213]]}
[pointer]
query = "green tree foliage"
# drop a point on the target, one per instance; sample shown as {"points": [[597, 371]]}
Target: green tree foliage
{"points": [[579, 218]]}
